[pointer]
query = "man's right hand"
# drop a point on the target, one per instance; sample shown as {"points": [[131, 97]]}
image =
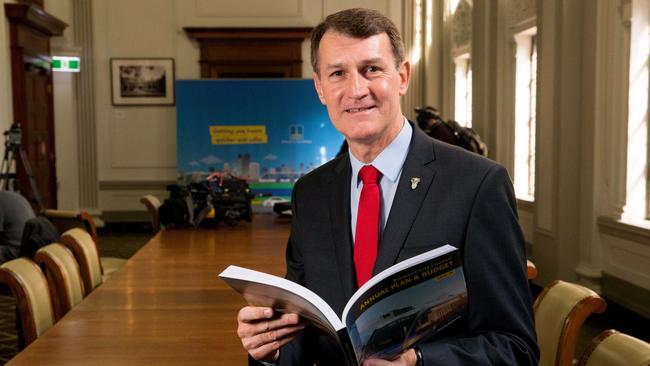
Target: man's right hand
{"points": [[262, 334]]}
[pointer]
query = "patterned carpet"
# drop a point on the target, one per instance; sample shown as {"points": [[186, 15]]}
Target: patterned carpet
{"points": [[8, 339], [120, 241]]}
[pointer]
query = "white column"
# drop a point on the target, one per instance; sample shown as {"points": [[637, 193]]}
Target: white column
{"points": [[560, 168], [414, 40], [434, 43], [484, 35], [492, 64], [85, 85]]}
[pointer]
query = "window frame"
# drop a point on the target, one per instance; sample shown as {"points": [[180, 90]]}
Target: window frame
{"points": [[463, 66], [526, 66]]}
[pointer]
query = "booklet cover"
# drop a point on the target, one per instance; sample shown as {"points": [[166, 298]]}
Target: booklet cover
{"points": [[404, 304]]}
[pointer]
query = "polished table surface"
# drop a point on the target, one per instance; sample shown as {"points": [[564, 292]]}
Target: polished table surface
{"points": [[166, 306]]}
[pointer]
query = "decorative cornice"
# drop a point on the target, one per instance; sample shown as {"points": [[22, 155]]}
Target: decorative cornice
{"points": [[35, 17]]}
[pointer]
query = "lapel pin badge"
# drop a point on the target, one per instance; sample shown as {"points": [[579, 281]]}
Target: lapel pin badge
{"points": [[414, 182]]}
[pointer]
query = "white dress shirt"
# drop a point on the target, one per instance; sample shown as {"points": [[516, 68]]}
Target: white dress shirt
{"points": [[389, 162]]}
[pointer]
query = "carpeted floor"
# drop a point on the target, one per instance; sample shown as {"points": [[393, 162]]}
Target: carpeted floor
{"points": [[8, 339], [615, 317], [124, 240]]}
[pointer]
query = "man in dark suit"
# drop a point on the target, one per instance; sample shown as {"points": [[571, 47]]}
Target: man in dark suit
{"points": [[420, 194]]}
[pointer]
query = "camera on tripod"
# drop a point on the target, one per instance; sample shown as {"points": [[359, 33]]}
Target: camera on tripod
{"points": [[13, 136], [13, 156]]}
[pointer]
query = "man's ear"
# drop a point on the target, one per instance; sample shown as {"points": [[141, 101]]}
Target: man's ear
{"points": [[404, 76], [319, 87]]}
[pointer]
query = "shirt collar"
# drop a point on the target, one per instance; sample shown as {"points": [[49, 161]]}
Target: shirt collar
{"points": [[389, 162]]}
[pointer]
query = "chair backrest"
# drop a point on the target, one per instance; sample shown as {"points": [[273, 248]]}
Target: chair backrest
{"points": [[63, 277], [85, 252], [29, 286], [66, 220], [560, 311], [152, 203], [613, 348]]}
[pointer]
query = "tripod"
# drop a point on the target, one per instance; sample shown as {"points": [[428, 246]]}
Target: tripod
{"points": [[13, 151]]}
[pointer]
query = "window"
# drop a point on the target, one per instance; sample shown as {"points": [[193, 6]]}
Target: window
{"points": [[463, 96], [525, 114], [636, 206]]}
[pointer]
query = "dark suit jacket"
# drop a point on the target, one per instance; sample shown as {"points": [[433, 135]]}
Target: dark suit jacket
{"points": [[464, 200]]}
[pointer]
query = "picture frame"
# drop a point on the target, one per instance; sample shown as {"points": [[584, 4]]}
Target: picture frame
{"points": [[142, 81]]}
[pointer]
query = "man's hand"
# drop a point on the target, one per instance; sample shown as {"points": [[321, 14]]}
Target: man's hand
{"points": [[407, 358], [262, 334]]}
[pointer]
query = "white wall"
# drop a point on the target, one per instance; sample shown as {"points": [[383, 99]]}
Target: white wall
{"points": [[64, 95], [137, 145]]}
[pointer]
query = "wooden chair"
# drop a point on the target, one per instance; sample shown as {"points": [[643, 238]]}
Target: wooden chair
{"points": [[613, 348], [30, 288], [66, 220], [152, 203], [85, 252], [63, 277], [532, 270], [560, 311]]}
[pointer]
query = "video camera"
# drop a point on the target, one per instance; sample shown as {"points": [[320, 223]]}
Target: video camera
{"points": [[208, 200], [231, 198], [13, 136]]}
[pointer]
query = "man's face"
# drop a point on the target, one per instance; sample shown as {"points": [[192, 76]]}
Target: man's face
{"points": [[360, 85]]}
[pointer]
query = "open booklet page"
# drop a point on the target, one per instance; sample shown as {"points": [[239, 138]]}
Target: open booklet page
{"points": [[261, 289], [395, 309], [408, 303]]}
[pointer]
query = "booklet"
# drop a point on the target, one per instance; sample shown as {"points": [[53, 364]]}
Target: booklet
{"points": [[404, 304]]}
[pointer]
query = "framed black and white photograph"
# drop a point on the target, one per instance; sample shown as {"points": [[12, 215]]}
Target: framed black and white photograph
{"points": [[142, 81]]}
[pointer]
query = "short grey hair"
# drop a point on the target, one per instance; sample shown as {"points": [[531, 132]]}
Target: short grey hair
{"points": [[358, 23]]}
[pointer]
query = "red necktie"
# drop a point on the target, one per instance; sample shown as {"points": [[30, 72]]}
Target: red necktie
{"points": [[366, 237]]}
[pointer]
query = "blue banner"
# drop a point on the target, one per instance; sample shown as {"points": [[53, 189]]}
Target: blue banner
{"points": [[270, 132]]}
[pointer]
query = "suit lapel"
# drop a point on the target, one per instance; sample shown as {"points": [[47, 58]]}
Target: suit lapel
{"points": [[339, 205], [407, 201]]}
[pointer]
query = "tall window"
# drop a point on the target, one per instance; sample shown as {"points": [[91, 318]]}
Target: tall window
{"points": [[525, 114], [463, 96], [636, 206]]}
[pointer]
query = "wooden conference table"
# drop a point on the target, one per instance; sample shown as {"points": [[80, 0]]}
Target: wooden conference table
{"points": [[166, 306]]}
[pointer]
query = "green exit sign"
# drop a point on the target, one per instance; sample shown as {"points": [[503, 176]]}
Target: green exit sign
{"points": [[65, 63]]}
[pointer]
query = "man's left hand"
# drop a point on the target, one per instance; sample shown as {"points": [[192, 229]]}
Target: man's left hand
{"points": [[407, 358]]}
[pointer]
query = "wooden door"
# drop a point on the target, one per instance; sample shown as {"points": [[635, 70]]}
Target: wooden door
{"points": [[30, 29], [38, 132]]}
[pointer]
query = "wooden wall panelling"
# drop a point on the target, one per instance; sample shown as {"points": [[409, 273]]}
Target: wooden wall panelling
{"points": [[250, 52]]}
